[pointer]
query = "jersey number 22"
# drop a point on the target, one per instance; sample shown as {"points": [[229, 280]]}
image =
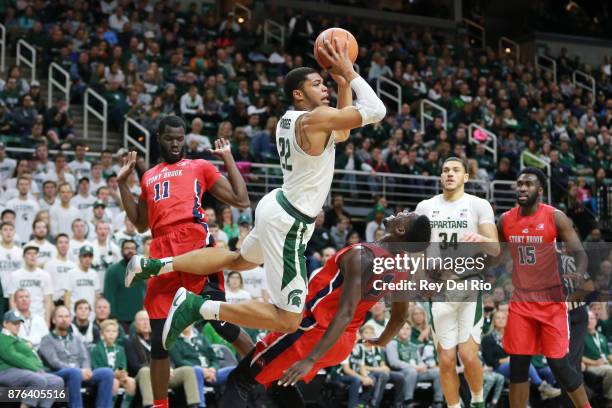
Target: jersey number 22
{"points": [[285, 153]]}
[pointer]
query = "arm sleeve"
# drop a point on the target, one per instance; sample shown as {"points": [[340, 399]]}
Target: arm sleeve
{"points": [[177, 357], [369, 105], [110, 286], [393, 357], [121, 362], [485, 212], [85, 360], [48, 285], [21, 356], [133, 362], [184, 108], [97, 359]]}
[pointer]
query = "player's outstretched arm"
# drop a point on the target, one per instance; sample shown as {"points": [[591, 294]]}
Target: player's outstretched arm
{"points": [[234, 191], [136, 210], [574, 248], [399, 314], [351, 267]]}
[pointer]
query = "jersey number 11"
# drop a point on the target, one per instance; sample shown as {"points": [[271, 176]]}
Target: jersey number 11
{"points": [[163, 188]]}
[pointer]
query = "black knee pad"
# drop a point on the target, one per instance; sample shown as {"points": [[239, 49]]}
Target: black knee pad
{"points": [[157, 348], [228, 331], [568, 377], [519, 368]]}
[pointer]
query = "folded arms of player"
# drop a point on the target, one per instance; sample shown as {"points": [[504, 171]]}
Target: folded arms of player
{"points": [[351, 268], [136, 210]]}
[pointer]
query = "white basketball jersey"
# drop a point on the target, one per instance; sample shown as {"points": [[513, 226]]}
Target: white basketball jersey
{"points": [[306, 179], [449, 220]]}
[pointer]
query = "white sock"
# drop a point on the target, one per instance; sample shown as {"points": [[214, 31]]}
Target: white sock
{"points": [[168, 264], [477, 397], [210, 309], [457, 405]]}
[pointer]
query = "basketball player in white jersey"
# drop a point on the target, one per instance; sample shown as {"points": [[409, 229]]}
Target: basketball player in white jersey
{"points": [[456, 217], [284, 218]]}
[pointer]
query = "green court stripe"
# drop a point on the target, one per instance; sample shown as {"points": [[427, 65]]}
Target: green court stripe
{"points": [[289, 266]]}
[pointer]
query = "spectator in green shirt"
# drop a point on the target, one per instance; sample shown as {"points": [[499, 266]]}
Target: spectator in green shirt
{"points": [[109, 354], [192, 350], [597, 356], [124, 302], [20, 366]]}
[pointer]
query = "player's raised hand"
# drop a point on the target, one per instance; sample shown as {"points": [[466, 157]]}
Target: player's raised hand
{"points": [[222, 148], [128, 166], [296, 372]]}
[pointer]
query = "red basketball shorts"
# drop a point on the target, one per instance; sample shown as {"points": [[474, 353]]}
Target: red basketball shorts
{"points": [[279, 351], [161, 289], [537, 328]]}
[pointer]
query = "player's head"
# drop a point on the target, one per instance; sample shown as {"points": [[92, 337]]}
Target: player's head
{"points": [[171, 138], [529, 186], [454, 174], [410, 229], [306, 89]]}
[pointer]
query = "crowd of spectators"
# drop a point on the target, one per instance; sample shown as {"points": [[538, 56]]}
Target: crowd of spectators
{"points": [[65, 241]]}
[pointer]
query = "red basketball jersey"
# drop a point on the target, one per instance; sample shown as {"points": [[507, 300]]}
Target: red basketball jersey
{"points": [[325, 287], [173, 193], [531, 242]]}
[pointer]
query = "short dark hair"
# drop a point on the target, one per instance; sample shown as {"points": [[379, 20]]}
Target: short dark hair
{"points": [[60, 235], [81, 302], [463, 162], [7, 211], [171, 121], [295, 80], [127, 241], [536, 172]]}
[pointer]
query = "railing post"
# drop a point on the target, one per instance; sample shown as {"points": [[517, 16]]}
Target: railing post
{"points": [[503, 47], [577, 77], [65, 87], [279, 35], [491, 137], [127, 139], [395, 98], [540, 67], [243, 9], [428, 116], [103, 117], [480, 29], [31, 63]]}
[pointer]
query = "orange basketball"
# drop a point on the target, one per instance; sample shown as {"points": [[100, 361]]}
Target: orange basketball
{"points": [[330, 35]]}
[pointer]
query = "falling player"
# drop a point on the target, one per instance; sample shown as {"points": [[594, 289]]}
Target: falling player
{"points": [[339, 296], [537, 318], [457, 217], [170, 204], [284, 217]]}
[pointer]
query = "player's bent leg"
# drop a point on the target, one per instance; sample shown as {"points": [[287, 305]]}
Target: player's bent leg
{"points": [[286, 396], [205, 261], [188, 308], [239, 385], [519, 380], [569, 379], [448, 375]]}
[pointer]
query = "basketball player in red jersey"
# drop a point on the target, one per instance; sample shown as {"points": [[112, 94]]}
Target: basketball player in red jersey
{"points": [[538, 320], [339, 296], [171, 204]]}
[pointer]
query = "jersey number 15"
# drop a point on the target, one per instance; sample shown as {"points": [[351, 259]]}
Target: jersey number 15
{"points": [[162, 190]]}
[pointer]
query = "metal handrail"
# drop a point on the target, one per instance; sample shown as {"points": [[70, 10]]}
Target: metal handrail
{"points": [[103, 117], [244, 9], [127, 139], [478, 27], [274, 31], [21, 58], [504, 198], [591, 87], [552, 62], [491, 137], [428, 116], [64, 87], [507, 41], [68, 153], [381, 92], [544, 164], [3, 45]]}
